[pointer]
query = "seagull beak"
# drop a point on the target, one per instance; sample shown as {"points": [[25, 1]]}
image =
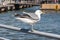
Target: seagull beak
{"points": [[43, 12]]}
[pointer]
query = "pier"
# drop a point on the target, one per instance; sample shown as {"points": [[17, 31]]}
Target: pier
{"points": [[16, 5], [9, 5]]}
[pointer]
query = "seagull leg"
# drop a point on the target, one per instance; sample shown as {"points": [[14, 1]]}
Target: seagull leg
{"points": [[32, 28]]}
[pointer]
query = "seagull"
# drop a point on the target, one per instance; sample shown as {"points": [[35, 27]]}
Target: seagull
{"points": [[30, 18]]}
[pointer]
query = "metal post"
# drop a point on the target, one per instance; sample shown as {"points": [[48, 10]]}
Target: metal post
{"points": [[10, 1], [15, 1], [2, 2]]}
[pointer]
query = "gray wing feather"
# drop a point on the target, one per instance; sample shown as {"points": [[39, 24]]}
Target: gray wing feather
{"points": [[33, 15]]}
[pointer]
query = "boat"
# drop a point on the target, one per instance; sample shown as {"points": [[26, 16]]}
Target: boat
{"points": [[50, 5]]}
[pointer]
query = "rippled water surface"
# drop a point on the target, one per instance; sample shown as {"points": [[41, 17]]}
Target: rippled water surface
{"points": [[50, 22]]}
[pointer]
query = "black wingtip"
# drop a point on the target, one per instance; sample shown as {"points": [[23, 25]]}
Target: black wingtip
{"points": [[16, 15]]}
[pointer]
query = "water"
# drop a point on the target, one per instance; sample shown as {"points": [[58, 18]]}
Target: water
{"points": [[50, 22]]}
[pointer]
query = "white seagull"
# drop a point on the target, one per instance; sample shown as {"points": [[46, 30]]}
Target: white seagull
{"points": [[30, 18]]}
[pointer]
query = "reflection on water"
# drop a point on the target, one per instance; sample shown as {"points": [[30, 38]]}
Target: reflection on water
{"points": [[50, 22]]}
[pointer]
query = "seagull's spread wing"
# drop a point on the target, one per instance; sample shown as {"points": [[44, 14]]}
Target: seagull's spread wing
{"points": [[22, 15], [32, 15], [28, 16]]}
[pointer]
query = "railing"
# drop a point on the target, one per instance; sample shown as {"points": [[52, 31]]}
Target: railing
{"points": [[35, 32], [1, 38]]}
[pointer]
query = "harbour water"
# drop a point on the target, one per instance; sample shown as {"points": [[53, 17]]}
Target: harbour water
{"points": [[50, 22]]}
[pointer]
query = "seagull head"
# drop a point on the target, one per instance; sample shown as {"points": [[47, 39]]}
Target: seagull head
{"points": [[38, 12]]}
